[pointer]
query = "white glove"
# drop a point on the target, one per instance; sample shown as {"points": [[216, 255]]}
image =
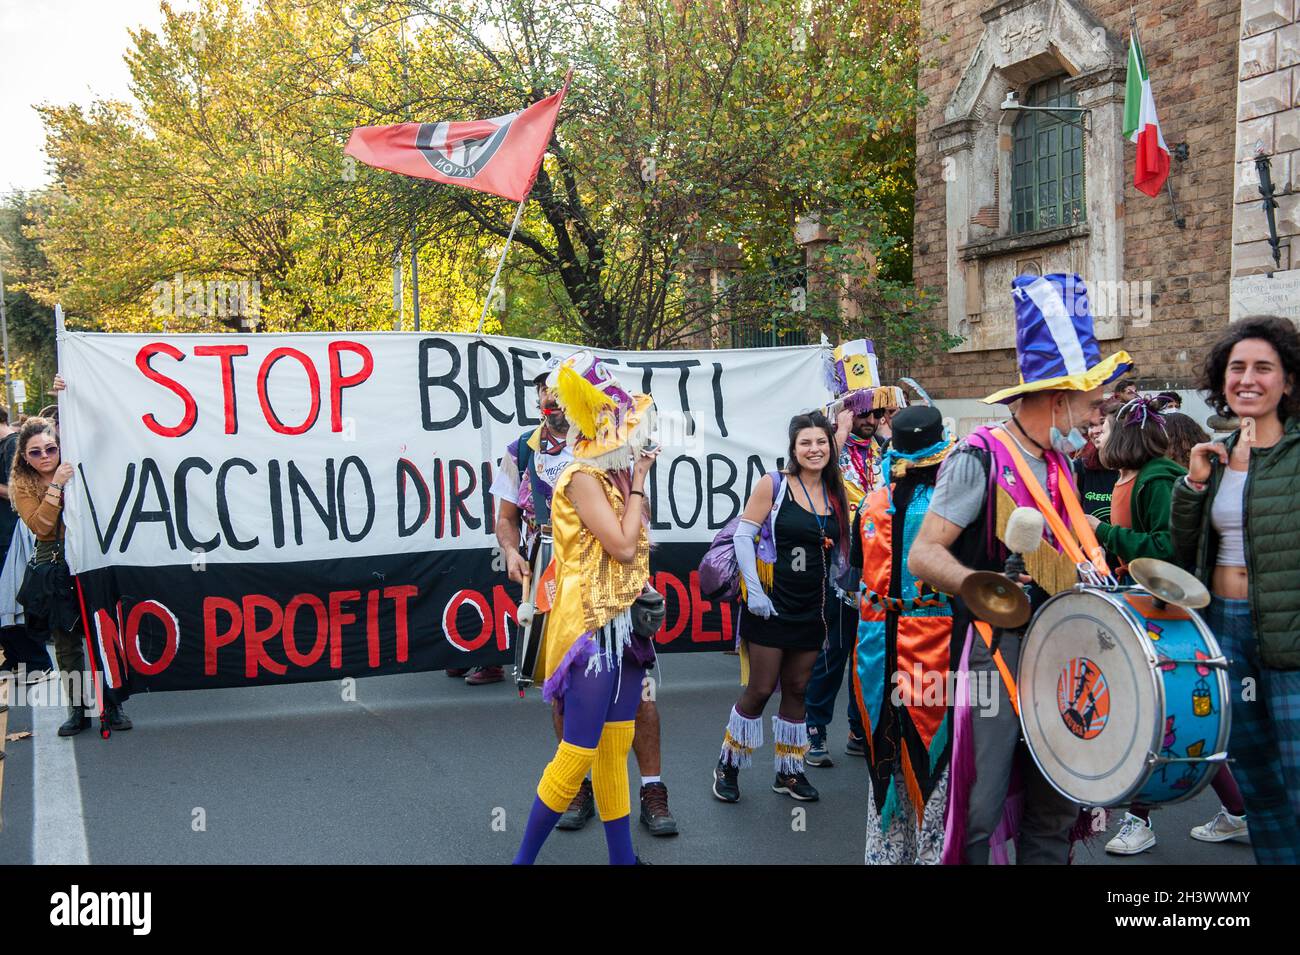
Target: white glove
{"points": [[759, 603]]}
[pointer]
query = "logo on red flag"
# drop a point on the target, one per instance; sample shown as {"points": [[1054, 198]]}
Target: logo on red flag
{"points": [[500, 156], [462, 150]]}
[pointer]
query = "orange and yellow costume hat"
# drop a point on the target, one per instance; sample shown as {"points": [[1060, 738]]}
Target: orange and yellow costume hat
{"points": [[609, 423]]}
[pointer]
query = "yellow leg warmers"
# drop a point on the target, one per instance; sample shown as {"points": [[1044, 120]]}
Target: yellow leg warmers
{"points": [[564, 774], [609, 771]]}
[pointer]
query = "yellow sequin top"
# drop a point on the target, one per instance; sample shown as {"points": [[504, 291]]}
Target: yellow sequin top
{"points": [[591, 587]]}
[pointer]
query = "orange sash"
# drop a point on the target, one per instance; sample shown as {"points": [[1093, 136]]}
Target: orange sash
{"points": [[1090, 550]]}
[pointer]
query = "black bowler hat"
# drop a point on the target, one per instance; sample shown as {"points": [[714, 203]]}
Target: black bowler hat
{"points": [[915, 429]]}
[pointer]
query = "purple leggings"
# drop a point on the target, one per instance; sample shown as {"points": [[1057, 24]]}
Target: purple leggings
{"points": [[591, 702], [1225, 787]]}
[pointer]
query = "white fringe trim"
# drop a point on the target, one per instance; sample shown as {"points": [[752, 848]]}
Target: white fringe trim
{"points": [[786, 734], [744, 735], [611, 640]]}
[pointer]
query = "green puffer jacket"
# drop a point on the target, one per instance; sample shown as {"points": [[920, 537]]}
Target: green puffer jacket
{"points": [[1149, 508], [1272, 539]]}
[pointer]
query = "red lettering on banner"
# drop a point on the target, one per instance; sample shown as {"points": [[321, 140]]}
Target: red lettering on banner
{"points": [[503, 608], [728, 633], [191, 413], [372, 628], [110, 650], [339, 381], [296, 657], [699, 607], [485, 616], [664, 582], [212, 640], [337, 619], [313, 385], [255, 637], [171, 629], [227, 354], [400, 596]]}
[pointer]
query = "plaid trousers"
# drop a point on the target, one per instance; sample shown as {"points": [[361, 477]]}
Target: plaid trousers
{"points": [[1265, 740]]}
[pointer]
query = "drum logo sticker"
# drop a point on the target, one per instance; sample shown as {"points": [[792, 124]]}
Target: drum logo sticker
{"points": [[1083, 698]]}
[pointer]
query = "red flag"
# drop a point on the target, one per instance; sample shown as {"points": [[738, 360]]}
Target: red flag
{"points": [[500, 156]]}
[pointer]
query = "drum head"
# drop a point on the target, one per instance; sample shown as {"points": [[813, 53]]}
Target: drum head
{"points": [[1089, 699]]}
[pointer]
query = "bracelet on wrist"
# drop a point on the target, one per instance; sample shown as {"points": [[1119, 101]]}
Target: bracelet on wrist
{"points": [[1194, 485], [642, 493]]}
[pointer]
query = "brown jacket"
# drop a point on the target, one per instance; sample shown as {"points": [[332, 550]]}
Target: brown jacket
{"points": [[40, 516]]}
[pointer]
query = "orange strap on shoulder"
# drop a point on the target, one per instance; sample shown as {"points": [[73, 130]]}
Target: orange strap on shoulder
{"points": [[1096, 555], [986, 631]]}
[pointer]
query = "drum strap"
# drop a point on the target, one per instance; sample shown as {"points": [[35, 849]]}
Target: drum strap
{"points": [[986, 631], [1073, 546]]}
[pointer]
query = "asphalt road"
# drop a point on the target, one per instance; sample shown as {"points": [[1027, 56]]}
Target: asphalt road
{"points": [[419, 769]]}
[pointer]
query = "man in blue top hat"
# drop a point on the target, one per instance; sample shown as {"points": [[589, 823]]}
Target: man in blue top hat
{"points": [[988, 475]]}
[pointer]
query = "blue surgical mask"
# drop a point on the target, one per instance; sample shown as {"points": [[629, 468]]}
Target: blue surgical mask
{"points": [[1071, 443]]}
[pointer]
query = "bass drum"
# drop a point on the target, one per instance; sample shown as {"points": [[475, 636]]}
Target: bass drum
{"points": [[1123, 699]]}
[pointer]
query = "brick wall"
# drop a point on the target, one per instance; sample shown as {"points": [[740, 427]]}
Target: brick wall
{"points": [[1191, 54]]}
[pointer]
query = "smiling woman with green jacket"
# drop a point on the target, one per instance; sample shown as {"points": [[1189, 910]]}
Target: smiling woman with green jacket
{"points": [[1235, 520]]}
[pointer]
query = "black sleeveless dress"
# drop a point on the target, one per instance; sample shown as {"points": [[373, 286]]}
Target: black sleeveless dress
{"points": [[800, 583]]}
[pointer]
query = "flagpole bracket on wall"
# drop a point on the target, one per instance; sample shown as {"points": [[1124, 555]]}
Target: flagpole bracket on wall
{"points": [[1179, 151]]}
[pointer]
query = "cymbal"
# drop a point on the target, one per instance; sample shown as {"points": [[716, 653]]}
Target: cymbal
{"points": [[1171, 584], [996, 598]]}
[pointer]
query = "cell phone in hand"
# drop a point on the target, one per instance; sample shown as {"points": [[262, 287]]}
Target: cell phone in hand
{"points": [[651, 448]]}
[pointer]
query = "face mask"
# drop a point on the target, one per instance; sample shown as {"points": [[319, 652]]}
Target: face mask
{"points": [[1070, 443]]}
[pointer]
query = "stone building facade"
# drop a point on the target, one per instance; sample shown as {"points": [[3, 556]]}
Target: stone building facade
{"points": [[1268, 124], [1002, 192]]}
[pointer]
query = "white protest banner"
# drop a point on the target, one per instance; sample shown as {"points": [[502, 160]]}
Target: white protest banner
{"points": [[279, 508]]}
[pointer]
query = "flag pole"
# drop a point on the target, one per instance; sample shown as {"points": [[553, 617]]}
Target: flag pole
{"points": [[500, 262]]}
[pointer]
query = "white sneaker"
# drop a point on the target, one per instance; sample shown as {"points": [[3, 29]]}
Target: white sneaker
{"points": [[1133, 837], [1221, 828]]}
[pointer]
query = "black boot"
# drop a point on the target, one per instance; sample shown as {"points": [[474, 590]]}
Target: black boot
{"points": [[77, 721], [117, 718]]}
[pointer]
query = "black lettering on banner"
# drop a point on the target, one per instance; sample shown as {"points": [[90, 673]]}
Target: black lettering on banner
{"points": [[105, 538], [695, 486], [359, 465], [277, 502], [489, 502], [447, 381], [523, 386], [328, 513], [439, 501], [223, 503], [717, 398], [724, 487], [655, 523], [181, 495], [409, 474], [479, 393], [684, 367], [150, 475], [459, 494]]}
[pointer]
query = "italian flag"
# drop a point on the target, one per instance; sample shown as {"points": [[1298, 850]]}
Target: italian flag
{"points": [[1141, 125]]}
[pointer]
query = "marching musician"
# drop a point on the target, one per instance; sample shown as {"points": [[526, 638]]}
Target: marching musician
{"points": [[1020, 462], [524, 486]]}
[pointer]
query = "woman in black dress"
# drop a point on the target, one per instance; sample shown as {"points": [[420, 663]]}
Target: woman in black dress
{"points": [[790, 545]]}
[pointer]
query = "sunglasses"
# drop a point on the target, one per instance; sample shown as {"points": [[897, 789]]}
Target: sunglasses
{"points": [[49, 452]]}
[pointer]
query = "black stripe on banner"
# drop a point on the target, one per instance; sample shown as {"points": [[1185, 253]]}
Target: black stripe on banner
{"points": [[181, 628]]}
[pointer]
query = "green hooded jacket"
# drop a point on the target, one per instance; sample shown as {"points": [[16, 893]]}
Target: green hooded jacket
{"points": [[1272, 539], [1150, 535]]}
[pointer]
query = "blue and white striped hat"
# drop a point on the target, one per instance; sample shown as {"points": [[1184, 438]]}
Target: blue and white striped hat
{"points": [[1056, 347]]}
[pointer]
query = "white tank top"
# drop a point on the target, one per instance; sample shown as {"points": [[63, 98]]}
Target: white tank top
{"points": [[1225, 516]]}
